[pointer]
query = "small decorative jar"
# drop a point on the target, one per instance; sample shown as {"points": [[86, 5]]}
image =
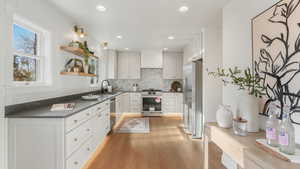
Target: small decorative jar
{"points": [[240, 126]]}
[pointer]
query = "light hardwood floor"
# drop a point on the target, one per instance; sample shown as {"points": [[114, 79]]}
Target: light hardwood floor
{"points": [[166, 147]]}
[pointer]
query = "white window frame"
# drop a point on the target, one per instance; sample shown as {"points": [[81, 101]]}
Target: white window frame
{"points": [[41, 57]]}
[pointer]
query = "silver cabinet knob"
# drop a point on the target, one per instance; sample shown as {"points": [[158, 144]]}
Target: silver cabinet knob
{"points": [[88, 129], [88, 114], [75, 139], [75, 121], [76, 163], [88, 149]]}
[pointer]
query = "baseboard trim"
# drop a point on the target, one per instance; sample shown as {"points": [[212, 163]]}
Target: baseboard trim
{"points": [[141, 114]]}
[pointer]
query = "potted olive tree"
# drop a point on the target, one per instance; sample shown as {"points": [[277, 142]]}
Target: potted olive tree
{"points": [[252, 89]]}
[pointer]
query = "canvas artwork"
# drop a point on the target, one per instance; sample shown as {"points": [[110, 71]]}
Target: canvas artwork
{"points": [[276, 55]]}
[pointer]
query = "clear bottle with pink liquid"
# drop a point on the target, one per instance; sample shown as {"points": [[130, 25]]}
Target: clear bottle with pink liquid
{"points": [[272, 126], [286, 137]]}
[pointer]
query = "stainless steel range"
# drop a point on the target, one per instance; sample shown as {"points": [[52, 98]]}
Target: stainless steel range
{"points": [[152, 102]]}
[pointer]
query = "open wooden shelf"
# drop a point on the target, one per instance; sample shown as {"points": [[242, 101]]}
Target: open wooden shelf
{"points": [[78, 74], [75, 51]]}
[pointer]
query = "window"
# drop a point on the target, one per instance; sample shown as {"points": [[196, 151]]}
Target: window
{"points": [[28, 53]]}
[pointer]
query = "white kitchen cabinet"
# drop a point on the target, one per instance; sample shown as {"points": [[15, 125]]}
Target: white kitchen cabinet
{"points": [[134, 65], [123, 65], [135, 102], [108, 65], [151, 59], [129, 65], [112, 67], [57, 143], [172, 103], [118, 108], [122, 105], [125, 102], [172, 65], [195, 49]]}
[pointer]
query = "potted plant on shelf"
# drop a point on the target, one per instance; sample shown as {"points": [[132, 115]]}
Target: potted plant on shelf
{"points": [[251, 85], [86, 56]]}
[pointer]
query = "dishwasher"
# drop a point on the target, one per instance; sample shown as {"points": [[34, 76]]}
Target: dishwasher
{"points": [[112, 113]]}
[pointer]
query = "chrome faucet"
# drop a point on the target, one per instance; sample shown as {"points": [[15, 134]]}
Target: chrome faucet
{"points": [[104, 86]]}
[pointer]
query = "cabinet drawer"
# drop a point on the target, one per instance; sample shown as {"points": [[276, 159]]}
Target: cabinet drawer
{"points": [[106, 104], [75, 120], [76, 137], [98, 108], [80, 157]]}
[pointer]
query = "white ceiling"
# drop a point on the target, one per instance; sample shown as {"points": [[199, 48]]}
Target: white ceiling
{"points": [[144, 24]]}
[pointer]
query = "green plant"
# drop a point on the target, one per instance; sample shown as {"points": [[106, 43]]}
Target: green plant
{"points": [[244, 79], [86, 52]]}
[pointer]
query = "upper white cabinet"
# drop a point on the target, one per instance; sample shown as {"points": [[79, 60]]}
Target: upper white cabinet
{"points": [[108, 65], [195, 49], [129, 65], [112, 69], [172, 65], [152, 59]]}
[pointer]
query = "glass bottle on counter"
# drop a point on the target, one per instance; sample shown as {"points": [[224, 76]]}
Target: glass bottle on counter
{"points": [[286, 137], [272, 126]]}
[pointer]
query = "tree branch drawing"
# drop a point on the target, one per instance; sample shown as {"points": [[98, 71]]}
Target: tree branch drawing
{"points": [[280, 70]]}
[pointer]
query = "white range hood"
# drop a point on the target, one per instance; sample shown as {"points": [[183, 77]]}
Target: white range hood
{"points": [[152, 59]]}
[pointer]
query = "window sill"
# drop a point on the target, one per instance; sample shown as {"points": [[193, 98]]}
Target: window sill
{"points": [[29, 85]]}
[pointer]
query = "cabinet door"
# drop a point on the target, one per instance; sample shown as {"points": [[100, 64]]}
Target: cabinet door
{"points": [[179, 103], [123, 65], [111, 64], [125, 102], [98, 128], [135, 102], [169, 66], [134, 65], [179, 66]]}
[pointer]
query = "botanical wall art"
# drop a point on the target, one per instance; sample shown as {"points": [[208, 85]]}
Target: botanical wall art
{"points": [[276, 55]]}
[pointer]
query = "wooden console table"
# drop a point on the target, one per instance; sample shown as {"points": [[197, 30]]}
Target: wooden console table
{"points": [[241, 149]]}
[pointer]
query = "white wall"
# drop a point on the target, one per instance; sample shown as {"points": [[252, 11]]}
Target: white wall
{"points": [[212, 59], [60, 27], [43, 14], [3, 133], [237, 41]]}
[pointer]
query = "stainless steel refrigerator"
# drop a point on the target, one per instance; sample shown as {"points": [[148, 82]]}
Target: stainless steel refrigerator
{"points": [[193, 98]]}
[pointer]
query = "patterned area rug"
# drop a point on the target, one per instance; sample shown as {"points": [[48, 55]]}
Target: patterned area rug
{"points": [[134, 125]]}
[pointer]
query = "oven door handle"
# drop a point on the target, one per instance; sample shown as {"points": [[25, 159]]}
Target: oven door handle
{"points": [[151, 97]]}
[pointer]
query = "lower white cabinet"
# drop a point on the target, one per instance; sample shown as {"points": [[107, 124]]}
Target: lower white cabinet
{"points": [[135, 102], [172, 103], [122, 105], [57, 143]]}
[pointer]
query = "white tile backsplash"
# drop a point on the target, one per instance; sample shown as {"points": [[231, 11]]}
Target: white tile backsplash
{"points": [[150, 78]]}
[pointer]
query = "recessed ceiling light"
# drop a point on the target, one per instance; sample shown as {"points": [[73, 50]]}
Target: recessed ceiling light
{"points": [[126, 48], [183, 9], [165, 48], [171, 37], [120, 37], [101, 8]]}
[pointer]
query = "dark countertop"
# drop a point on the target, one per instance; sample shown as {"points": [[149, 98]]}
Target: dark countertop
{"points": [[44, 112], [80, 105]]}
